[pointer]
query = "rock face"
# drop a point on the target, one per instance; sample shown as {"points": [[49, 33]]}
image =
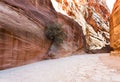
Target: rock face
{"points": [[22, 38], [23, 24], [93, 16], [115, 29]]}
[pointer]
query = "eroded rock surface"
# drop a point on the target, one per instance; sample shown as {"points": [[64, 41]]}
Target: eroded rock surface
{"points": [[22, 38], [93, 16], [115, 29], [23, 22]]}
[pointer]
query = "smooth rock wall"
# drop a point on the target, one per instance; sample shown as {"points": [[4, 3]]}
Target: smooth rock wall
{"points": [[22, 37]]}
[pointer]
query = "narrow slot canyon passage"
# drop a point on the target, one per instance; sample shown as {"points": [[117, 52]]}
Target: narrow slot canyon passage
{"points": [[83, 55]]}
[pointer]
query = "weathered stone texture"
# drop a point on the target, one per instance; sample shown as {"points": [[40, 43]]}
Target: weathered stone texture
{"points": [[93, 16], [22, 38], [115, 29], [22, 25]]}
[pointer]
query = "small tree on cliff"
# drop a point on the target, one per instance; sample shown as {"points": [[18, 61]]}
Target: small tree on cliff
{"points": [[55, 33]]}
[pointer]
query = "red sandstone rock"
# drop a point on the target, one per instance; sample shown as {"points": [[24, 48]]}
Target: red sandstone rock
{"points": [[115, 29], [22, 38], [93, 16], [22, 25]]}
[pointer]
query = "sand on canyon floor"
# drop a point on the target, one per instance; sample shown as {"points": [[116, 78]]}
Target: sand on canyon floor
{"points": [[111, 61], [77, 68]]}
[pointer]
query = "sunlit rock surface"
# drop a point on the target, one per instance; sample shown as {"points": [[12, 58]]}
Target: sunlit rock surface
{"points": [[115, 29], [93, 16], [22, 25], [22, 38]]}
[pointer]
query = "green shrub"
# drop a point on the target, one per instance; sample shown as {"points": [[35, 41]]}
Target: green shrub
{"points": [[55, 33]]}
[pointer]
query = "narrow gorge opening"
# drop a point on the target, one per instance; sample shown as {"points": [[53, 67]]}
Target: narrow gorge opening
{"points": [[93, 16], [110, 4]]}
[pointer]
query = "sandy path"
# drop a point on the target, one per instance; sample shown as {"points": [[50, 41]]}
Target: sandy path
{"points": [[79, 68]]}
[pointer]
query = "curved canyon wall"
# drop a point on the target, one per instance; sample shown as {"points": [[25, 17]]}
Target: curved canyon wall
{"points": [[115, 29], [22, 37], [22, 25], [93, 16]]}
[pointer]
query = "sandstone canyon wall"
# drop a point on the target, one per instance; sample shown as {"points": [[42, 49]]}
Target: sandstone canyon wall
{"points": [[115, 29], [93, 16], [22, 38], [22, 25]]}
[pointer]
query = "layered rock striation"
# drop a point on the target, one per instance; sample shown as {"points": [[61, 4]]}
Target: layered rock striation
{"points": [[115, 29], [22, 37], [93, 16], [23, 24]]}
